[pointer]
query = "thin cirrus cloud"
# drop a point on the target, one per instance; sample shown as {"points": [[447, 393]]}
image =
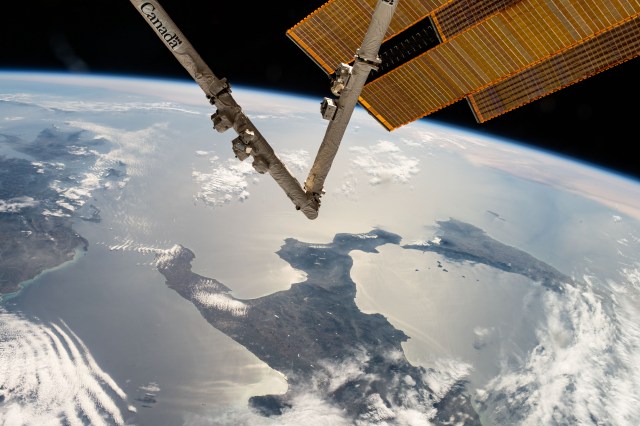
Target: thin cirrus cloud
{"points": [[64, 104], [612, 190], [131, 147], [48, 376], [89, 169]]}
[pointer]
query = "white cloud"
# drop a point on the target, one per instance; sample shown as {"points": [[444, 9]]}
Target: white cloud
{"points": [[164, 257], [381, 147], [334, 375], [410, 142], [411, 417], [312, 404], [298, 160], [447, 372], [584, 368], [377, 411], [385, 163], [17, 204], [307, 409], [65, 205], [209, 285], [286, 114], [226, 182], [348, 186], [632, 275], [221, 302], [56, 213], [48, 376], [151, 387], [483, 336]]}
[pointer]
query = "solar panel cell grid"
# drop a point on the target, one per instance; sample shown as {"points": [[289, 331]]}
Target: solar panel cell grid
{"points": [[499, 53]]}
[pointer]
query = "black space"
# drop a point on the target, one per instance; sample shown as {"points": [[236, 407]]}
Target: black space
{"points": [[595, 120]]}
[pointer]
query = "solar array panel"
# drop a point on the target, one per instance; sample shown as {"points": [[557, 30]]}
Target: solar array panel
{"points": [[499, 54], [332, 33], [595, 55]]}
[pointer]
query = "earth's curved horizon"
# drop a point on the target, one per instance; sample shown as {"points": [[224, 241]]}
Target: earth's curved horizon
{"points": [[450, 276]]}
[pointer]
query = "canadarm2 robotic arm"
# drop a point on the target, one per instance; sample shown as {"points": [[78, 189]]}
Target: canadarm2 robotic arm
{"points": [[347, 84]]}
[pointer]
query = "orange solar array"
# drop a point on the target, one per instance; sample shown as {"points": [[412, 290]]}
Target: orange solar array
{"points": [[332, 33], [499, 54]]}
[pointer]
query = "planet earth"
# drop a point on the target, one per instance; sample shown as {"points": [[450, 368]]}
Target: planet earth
{"points": [[149, 277]]}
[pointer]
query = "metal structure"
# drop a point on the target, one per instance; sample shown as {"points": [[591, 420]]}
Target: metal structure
{"points": [[497, 54], [347, 84]]}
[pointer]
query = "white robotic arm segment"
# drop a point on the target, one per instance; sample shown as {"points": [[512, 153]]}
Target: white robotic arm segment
{"points": [[377, 30], [366, 59]]}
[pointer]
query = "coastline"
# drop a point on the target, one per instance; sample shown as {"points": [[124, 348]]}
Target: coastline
{"points": [[79, 252]]}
